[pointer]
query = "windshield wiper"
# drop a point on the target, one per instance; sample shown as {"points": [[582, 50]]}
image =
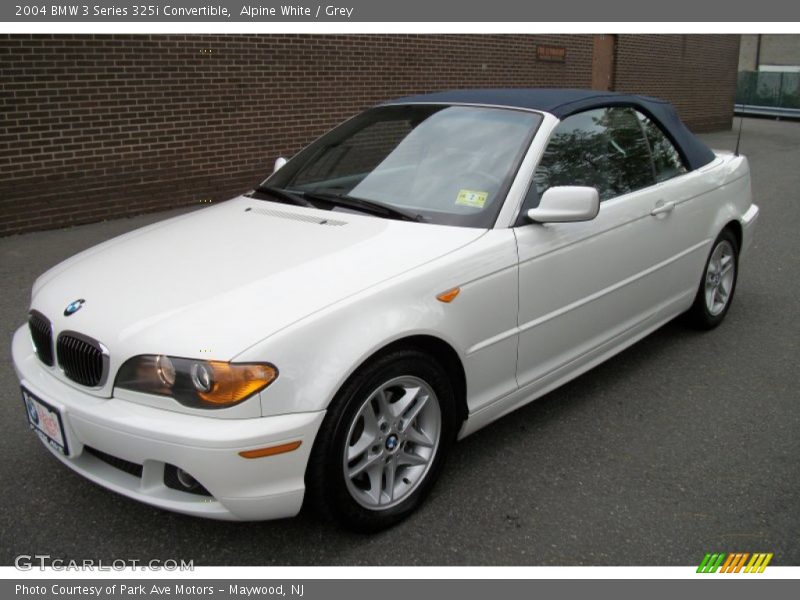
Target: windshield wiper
{"points": [[369, 206], [283, 195]]}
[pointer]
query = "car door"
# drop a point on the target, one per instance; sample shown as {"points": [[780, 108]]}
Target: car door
{"points": [[587, 288]]}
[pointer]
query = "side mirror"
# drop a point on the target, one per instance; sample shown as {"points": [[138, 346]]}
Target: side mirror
{"points": [[566, 204], [279, 162]]}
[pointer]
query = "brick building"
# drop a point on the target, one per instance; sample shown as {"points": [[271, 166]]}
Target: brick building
{"points": [[100, 126]]}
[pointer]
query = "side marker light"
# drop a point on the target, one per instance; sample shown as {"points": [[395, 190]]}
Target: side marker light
{"points": [[449, 295], [270, 450]]}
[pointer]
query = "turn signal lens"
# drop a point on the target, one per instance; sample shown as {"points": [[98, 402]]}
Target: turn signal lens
{"points": [[229, 383], [271, 450], [449, 295], [196, 383]]}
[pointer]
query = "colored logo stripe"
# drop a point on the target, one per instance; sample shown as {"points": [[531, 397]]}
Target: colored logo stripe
{"points": [[760, 562], [734, 562], [711, 563]]}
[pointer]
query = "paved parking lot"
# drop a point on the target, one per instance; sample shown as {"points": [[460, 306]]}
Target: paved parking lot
{"points": [[683, 444]]}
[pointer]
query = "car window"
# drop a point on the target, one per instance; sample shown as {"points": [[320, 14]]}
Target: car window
{"points": [[604, 148], [359, 154], [666, 158], [450, 165]]}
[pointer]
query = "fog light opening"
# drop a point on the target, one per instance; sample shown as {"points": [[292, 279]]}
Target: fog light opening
{"points": [[186, 480], [177, 479]]}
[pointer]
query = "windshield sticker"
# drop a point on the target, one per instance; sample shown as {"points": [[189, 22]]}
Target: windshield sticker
{"points": [[471, 198]]}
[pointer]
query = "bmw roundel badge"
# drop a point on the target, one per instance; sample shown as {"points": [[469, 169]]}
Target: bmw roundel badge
{"points": [[34, 414], [73, 307]]}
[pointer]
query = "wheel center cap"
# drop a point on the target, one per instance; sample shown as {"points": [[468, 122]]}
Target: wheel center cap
{"points": [[392, 442]]}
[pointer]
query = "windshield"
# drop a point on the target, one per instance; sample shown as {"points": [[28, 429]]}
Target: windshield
{"points": [[450, 165]]}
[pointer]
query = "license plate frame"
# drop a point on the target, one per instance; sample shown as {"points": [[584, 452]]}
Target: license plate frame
{"points": [[46, 420]]}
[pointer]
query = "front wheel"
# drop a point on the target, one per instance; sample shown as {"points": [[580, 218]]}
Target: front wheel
{"points": [[383, 442], [715, 293]]}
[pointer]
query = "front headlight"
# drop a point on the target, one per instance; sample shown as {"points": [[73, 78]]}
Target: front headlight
{"points": [[196, 383]]}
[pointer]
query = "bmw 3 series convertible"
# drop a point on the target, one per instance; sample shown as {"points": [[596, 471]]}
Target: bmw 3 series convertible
{"points": [[414, 274]]}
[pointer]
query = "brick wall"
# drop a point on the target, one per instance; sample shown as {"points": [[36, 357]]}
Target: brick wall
{"points": [[97, 127], [697, 73]]}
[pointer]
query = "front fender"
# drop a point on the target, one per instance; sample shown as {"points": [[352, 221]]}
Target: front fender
{"points": [[316, 355]]}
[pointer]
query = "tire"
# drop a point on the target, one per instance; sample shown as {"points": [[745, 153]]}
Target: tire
{"points": [[383, 442], [718, 284]]}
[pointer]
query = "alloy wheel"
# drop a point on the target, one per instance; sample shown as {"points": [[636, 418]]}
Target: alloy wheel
{"points": [[392, 442], [720, 276]]}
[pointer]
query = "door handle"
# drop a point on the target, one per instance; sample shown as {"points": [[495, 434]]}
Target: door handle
{"points": [[662, 207]]}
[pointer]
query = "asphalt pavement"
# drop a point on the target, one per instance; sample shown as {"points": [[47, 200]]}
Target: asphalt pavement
{"points": [[684, 444]]}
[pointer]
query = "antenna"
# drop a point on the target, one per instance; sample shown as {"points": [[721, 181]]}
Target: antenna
{"points": [[739, 135], [741, 117]]}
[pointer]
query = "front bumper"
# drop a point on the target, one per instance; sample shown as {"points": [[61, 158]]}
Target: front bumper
{"points": [[206, 447]]}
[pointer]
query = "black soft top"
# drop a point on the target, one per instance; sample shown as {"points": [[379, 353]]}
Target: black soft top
{"points": [[565, 102]]}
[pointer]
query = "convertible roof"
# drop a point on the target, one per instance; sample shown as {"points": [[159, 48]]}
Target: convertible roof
{"points": [[565, 102]]}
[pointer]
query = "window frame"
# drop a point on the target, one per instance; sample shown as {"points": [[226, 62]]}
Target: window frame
{"points": [[521, 219], [667, 137]]}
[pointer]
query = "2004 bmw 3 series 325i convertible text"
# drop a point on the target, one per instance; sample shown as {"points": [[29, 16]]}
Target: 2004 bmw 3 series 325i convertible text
{"points": [[414, 274]]}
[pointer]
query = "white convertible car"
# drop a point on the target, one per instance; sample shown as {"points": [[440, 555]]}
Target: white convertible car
{"points": [[414, 274]]}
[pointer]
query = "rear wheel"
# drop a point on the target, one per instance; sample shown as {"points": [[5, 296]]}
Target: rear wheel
{"points": [[383, 442], [715, 294]]}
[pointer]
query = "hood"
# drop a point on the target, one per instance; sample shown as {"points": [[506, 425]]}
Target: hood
{"points": [[216, 281]]}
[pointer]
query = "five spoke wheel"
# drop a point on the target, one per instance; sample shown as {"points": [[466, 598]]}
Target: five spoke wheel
{"points": [[720, 276], [715, 292], [392, 442], [383, 441]]}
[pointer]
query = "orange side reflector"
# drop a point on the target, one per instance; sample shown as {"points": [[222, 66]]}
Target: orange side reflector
{"points": [[270, 451], [449, 295]]}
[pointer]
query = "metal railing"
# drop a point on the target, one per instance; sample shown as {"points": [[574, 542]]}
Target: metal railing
{"points": [[772, 93]]}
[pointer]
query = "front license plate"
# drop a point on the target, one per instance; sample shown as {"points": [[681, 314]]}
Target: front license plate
{"points": [[46, 421]]}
